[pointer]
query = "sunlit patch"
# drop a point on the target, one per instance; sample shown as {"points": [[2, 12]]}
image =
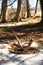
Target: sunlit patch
{"points": [[34, 44], [4, 48]]}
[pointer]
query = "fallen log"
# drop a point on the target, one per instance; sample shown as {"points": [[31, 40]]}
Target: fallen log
{"points": [[13, 24]]}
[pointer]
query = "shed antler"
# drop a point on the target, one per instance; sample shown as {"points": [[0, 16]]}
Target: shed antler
{"points": [[19, 41]]}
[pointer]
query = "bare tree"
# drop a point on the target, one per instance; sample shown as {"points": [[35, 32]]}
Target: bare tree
{"points": [[41, 4], [28, 9], [18, 10], [41, 22], [36, 7], [3, 10]]}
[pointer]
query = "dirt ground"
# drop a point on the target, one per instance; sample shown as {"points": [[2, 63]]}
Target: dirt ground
{"points": [[24, 33]]}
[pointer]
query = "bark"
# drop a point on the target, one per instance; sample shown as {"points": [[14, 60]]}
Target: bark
{"points": [[41, 22], [3, 10], [18, 11], [28, 9], [41, 4], [36, 7]]}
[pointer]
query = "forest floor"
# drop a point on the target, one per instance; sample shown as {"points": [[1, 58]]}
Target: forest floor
{"points": [[32, 56], [24, 33]]}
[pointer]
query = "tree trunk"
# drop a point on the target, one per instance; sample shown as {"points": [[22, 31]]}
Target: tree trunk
{"points": [[41, 4], [28, 9], [18, 11], [36, 7], [41, 22], [3, 11]]}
